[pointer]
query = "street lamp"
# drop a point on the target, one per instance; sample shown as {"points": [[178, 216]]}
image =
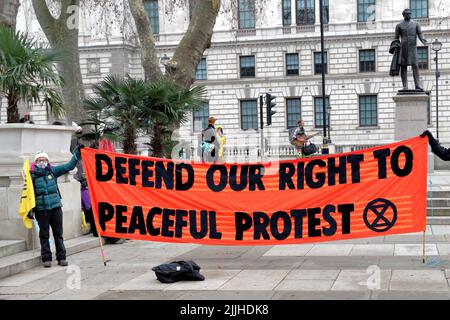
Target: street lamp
{"points": [[325, 149], [436, 46]]}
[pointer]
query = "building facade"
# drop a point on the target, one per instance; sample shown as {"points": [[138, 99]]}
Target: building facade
{"points": [[273, 46]]}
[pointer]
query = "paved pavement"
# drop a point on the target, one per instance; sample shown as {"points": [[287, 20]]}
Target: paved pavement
{"points": [[374, 268]]}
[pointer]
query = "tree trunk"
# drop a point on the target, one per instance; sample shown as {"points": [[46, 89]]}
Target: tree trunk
{"points": [[8, 13], [149, 57], [181, 68], [129, 140], [60, 36], [12, 111], [157, 142]]}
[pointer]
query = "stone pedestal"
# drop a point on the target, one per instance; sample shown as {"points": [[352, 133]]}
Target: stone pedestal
{"points": [[17, 143], [411, 118]]}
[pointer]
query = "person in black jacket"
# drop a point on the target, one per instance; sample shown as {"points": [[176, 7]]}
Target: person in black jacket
{"points": [[436, 147]]}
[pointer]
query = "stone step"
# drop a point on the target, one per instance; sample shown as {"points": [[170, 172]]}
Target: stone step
{"points": [[438, 194], [438, 202], [10, 247], [438, 211], [439, 220], [22, 261]]}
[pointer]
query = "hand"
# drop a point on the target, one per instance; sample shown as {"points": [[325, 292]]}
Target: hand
{"points": [[426, 133]]}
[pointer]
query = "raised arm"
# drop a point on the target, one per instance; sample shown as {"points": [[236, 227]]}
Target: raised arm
{"points": [[64, 168], [436, 147]]}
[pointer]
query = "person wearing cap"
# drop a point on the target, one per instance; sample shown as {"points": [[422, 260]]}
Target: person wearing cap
{"points": [[48, 210], [210, 142], [222, 141]]}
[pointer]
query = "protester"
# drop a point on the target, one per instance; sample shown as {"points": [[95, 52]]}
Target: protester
{"points": [[210, 143], [436, 147], [48, 210], [222, 141]]}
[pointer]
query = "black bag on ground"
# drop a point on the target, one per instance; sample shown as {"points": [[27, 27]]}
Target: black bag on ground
{"points": [[309, 149], [178, 271]]}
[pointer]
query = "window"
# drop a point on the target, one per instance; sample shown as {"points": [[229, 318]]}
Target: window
{"points": [[318, 110], [247, 64], [152, 10], [293, 111], [246, 14], [422, 58], [201, 117], [366, 60], [366, 10], [318, 62], [419, 8], [287, 13], [326, 11], [249, 115], [305, 12], [292, 64], [368, 111], [200, 73]]}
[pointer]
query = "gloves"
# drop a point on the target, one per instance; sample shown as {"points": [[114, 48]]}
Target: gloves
{"points": [[426, 133]]}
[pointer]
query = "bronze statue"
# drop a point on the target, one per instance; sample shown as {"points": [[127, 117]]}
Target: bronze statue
{"points": [[408, 31]]}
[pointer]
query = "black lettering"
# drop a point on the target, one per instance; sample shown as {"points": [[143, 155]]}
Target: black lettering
{"points": [[355, 160], [151, 214], [203, 224], [137, 221], [333, 170], [285, 173], [287, 225], [300, 175], [313, 222], [105, 213], [121, 170], [345, 210], [408, 161], [167, 222], [164, 174], [147, 173], [99, 175], [261, 223], [331, 221], [298, 216], [180, 185], [255, 177], [381, 155], [243, 222], [121, 219], [234, 185], [213, 234], [223, 177], [133, 171], [180, 222], [321, 176]]}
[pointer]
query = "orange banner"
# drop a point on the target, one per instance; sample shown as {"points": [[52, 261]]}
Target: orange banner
{"points": [[367, 193]]}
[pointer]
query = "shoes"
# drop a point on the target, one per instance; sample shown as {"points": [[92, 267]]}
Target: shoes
{"points": [[47, 264], [63, 263]]}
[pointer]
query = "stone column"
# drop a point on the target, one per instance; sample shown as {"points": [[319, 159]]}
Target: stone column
{"points": [[17, 143], [411, 117]]}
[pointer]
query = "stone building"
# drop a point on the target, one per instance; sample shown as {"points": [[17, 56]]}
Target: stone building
{"points": [[272, 46]]}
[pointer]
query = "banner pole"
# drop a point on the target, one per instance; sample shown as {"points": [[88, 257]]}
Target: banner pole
{"points": [[102, 250], [423, 259]]}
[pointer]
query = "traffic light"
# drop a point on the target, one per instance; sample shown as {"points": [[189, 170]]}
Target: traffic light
{"points": [[269, 106]]}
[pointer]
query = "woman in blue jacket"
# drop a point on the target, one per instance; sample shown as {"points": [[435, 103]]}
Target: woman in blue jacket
{"points": [[48, 211]]}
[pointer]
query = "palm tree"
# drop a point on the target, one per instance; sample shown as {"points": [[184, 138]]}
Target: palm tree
{"points": [[169, 106], [126, 107], [26, 72]]}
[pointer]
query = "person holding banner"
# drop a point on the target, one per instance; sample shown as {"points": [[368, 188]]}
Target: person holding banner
{"points": [[48, 211], [436, 147]]}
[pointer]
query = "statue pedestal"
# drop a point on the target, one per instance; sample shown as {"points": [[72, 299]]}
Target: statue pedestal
{"points": [[411, 117], [17, 143]]}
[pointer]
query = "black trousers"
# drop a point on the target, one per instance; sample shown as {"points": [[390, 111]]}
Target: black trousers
{"points": [[54, 219]]}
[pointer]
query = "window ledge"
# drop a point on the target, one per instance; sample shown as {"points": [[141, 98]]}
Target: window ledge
{"points": [[368, 128]]}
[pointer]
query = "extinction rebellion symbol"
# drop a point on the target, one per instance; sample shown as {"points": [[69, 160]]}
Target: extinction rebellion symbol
{"points": [[380, 215]]}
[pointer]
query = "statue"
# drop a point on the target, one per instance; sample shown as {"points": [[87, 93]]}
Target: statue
{"points": [[405, 52]]}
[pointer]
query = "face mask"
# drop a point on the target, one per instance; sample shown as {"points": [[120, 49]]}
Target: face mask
{"points": [[42, 164]]}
